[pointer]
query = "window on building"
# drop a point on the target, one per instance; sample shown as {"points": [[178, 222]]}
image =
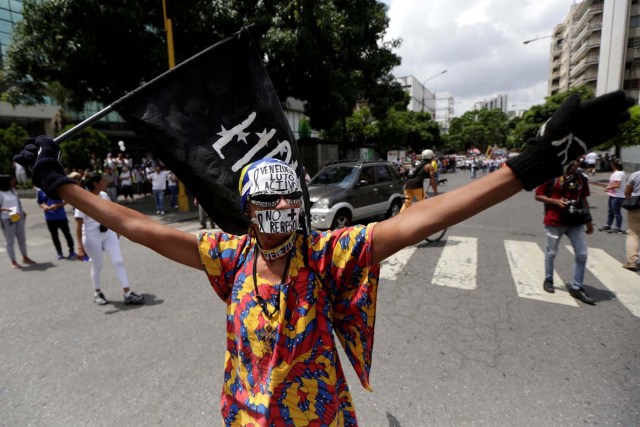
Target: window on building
{"points": [[634, 2], [632, 84], [634, 22], [633, 42], [632, 64]]}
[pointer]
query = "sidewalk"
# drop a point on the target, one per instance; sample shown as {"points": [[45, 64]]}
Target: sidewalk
{"points": [[147, 206], [601, 179]]}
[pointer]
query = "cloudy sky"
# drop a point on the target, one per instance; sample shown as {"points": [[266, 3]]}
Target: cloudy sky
{"points": [[479, 42]]}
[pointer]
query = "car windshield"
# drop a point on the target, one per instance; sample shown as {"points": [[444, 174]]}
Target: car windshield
{"points": [[335, 176]]}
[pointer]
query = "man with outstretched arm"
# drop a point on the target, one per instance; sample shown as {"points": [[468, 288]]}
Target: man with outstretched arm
{"points": [[289, 292]]}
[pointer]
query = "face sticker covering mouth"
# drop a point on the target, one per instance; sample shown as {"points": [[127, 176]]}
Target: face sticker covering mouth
{"points": [[277, 221]]}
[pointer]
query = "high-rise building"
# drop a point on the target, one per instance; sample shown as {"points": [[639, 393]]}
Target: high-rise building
{"points": [[498, 102], [598, 46], [444, 110], [421, 99], [10, 15]]}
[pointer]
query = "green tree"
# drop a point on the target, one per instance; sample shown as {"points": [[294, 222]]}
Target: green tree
{"points": [[403, 128], [400, 128], [329, 53], [479, 129], [304, 129], [11, 142], [76, 151], [629, 131], [356, 129]]}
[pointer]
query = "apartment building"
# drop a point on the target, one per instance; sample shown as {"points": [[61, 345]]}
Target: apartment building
{"points": [[597, 45], [420, 98], [444, 110], [439, 105], [498, 102]]}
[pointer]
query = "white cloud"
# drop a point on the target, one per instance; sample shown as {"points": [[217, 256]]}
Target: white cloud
{"points": [[480, 44]]}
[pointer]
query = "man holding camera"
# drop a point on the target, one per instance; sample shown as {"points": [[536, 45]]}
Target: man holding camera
{"points": [[567, 212]]}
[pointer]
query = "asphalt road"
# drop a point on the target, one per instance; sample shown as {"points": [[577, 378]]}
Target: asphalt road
{"points": [[443, 356]]}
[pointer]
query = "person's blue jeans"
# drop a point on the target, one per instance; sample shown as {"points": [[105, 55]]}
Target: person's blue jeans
{"points": [[158, 195], [173, 192], [614, 212], [577, 237]]}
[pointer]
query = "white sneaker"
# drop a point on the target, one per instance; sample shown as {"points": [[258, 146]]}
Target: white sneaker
{"points": [[99, 298]]}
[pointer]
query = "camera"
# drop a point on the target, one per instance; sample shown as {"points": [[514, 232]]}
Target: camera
{"points": [[572, 206]]}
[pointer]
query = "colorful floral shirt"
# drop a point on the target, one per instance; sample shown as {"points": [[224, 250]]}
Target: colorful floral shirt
{"points": [[284, 370]]}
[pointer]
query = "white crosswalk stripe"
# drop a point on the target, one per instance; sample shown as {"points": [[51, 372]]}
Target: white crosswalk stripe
{"points": [[526, 260], [458, 264], [623, 283], [390, 267]]}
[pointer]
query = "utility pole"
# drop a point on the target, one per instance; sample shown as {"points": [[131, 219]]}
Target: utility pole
{"points": [[183, 200]]}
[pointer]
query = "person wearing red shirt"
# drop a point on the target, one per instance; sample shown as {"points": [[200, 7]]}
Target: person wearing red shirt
{"points": [[559, 195]]}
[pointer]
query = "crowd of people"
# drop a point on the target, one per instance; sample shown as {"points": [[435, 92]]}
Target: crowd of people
{"points": [[126, 179], [568, 192], [115, 179]]}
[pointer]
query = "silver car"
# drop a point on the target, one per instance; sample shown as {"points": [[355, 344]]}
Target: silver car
{"points": [[350, 191]]}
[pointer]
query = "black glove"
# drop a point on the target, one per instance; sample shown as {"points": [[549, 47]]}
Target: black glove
{"points": [[41, 156], [570, 132]]}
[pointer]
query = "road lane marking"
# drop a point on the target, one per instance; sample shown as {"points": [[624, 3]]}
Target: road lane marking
{"points": [[390, 267], [526, 261], [458, 263], [623, 283]]}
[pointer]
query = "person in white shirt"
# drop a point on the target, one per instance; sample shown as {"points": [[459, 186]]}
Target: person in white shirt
{"points": [[615, 190], [158, 180], [12, 220], [590, 161], [125, 184], [21, 173], [93, 238]]}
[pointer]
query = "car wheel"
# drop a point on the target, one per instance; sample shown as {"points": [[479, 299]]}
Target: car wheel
{"points": [[394, 209], [341, 220]]}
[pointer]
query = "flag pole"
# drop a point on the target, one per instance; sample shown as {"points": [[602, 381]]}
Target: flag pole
{"points": [[83, 124]]}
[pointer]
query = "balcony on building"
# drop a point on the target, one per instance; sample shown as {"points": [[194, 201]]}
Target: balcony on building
{"points": [[587, 16], [588, 78], [585, 10], [585, 33], [587, 47], [590, 60]]}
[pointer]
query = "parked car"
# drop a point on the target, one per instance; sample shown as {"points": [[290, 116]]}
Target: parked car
{"points": [[348, 191]]}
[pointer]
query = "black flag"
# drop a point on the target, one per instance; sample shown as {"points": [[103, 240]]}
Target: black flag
{"points": [[209, 117]]}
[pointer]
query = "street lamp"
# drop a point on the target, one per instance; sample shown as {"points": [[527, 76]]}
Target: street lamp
{"points": [[434, 76], [537, 38], [434, 95]]}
